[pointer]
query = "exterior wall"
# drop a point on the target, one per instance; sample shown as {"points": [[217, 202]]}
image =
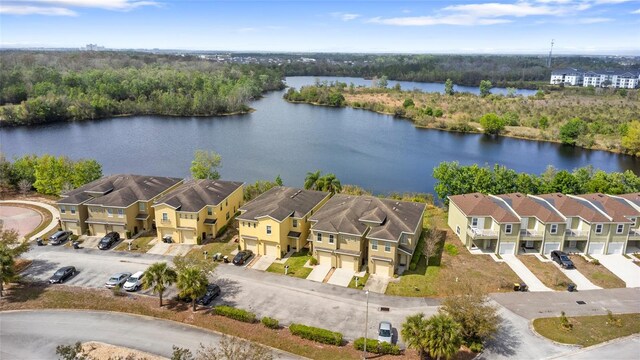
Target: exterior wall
{"points": [[260, 231], [381, 253], [457, 219], [603, 236], [80, 216]]}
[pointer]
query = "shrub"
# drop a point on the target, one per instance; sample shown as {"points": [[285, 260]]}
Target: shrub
{"points": [[313, 261], [476, 347], [376, 347], [221, 230], [451, 249], [117, 291], [199, 240], [564, 322], [128, 234], [316, 334], [408, 103], [271, 323], [234, 313], [595, 262]]}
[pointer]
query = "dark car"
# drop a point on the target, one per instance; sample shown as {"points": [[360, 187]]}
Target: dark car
{"points": [[59, 237], [242, 257], [62, 275], [108, 240], [213, 291], [562, 259]]}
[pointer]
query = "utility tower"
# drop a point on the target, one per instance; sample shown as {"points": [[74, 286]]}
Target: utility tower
{"points": [[550, 52]]}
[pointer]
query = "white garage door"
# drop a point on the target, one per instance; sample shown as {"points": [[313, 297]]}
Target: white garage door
{"points": [[166, 232], [348, 262], [73, 227], [98, 230], [271, 250], [382, 268], [188, 237], [596, 248], [615, 248], [551, 246], [507, 248], [251, 245], [120, 230], [324, 258]]}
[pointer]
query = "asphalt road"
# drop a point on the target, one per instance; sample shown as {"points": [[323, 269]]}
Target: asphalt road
{"points": [[35, 334]]}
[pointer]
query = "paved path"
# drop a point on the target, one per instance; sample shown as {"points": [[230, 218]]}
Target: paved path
{"points": [[622, 267], [23, 336], [54, 211], [627, 348], [524, 273], [577, 278]]}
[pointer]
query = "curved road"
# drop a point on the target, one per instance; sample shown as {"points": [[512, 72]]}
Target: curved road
{"points": [[35, 334]]}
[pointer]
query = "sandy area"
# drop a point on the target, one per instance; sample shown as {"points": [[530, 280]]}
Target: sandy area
{"points": [[99, 351], [19, 218]]}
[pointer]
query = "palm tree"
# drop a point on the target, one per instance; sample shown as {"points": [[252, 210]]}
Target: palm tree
{"points": [[158, 277], [311, 181], [443, 337], [413, 332], [330, 183], [192, 283]]}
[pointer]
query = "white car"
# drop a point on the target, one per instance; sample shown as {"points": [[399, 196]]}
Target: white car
{"points": [[385, 332], [134, 282]]}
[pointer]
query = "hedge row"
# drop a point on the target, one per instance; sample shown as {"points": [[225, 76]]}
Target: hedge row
{"points": [[316, 334], [236, 314], [271, 323], [376, 347]]}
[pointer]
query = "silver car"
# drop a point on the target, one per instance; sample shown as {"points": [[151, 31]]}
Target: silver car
{"points": [[385, 332], [117, 280]]}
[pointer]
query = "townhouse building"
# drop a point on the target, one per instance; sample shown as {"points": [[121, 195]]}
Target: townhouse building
{"points": [[568, 76], [600, 78]]}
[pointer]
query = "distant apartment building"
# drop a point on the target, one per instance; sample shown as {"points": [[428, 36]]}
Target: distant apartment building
{"points": [[567, 76], [603, 78]]}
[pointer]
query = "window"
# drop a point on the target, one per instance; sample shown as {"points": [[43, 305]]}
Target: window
{"points": [[403, 239], [374, 244], [62, 209], [142, 207], [474, 222], [319, 237], [220, 207], [254, 225], [109, 213], [73, 209], [165, 217], [387, 247], [120, 213], [295, 223], [209, 211], [268, 229], [330, 239], [554, 229], [226, 202], [619, 228], [598, 228], [227, 215], [633, 221], [243, 224], [508, 228], [458, 229]]}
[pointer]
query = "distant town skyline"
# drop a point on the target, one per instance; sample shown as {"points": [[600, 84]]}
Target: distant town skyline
{"points": [[598, 27]]}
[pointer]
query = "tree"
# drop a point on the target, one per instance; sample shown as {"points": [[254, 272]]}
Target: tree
{"points": [[543, 123], [329, 183], [52, 173], [10, 248], [442, 336], [230, 348], [205, 165], [570, 131], [311, 180], [485, 88], [413, 333], [23, 168], [278, 180], [492, 123], [24, 186], [254, 190], [432, 238], [478, 319], [382, 82], [192, 283], [631, 140], [408, 103], [72, 352], [159, 277], [85, 171], [448, 87]]}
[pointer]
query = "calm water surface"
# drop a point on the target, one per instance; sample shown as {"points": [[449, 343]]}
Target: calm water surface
{"points": [[375, 151]]}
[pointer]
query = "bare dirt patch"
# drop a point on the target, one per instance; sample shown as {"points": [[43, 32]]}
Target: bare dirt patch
{"points": [[99, 350]]}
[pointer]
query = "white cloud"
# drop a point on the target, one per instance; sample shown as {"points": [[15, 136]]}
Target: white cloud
{"points": [[437, 20], [65, 7], [494, 10], [35, 10], [345, 16], [593, 20], [636, 12]]}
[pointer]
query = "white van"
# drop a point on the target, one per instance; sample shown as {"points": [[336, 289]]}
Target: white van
{"points": [[134, 282]]}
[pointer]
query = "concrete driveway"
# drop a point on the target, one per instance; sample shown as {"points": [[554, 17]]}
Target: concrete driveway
{"points": [[91, 242], [577, 278], [23, 335], [341, 277], [377, 283], [319, 272], [170, 249], [524, 273], [622, 267], [263, 262]]}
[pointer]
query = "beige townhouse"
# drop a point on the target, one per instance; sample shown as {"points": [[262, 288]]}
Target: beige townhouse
{"points": [[633, 244]]}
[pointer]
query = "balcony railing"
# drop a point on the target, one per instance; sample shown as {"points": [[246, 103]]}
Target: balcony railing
{"points": [[165, 221], [531, 233], [475, 232], [634, 233], [577, 233]]}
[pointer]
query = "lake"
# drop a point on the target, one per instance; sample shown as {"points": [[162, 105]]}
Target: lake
{"points": [[375, 151]]}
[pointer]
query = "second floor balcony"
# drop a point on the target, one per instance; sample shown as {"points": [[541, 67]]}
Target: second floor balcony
{"points": [[531, 233], [482, 233], [577, 233], [634, 234]]}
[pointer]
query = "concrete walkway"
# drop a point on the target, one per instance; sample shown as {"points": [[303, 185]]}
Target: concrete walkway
{"points": [[341, 277], [319, 272], [622, 267], [577, 278], [263, 262], [524, 273], [54, 212]]}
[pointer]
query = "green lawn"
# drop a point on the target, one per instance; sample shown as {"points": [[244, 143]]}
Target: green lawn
{"points": [[224, 248], [418, 282], [140, 245], [296, 265], [361, 282], [588, 330]]}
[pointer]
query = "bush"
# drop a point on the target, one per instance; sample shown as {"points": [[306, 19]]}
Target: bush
{"points": [[476, 347], [595, 262], [236, 314], [417, 254], [199, 240], [128, 234], [221, 230], [376, 347], [316, 334], [313, 261], [271, 323], [451, 249]]}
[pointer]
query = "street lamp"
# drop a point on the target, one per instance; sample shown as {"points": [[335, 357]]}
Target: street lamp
{"points": [[366, 327]]}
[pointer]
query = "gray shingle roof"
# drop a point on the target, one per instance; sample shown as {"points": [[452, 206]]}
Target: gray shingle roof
{"points": [[346, 213], [120, 190], [281, 202], [194, 195]]}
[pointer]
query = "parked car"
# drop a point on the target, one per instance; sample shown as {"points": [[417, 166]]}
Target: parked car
{"points": [[59, 237], [134, 282], [62, 275], [242, 257], [385, 332], [117, 279], [108, 240], [562, 259], [213, 291]]}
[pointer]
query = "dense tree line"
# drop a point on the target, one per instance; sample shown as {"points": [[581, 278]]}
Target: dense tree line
{"points": [[48, 174], [329, 94], [455, 179], [40, 88]]}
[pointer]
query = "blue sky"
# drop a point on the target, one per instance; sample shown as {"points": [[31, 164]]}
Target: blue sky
{"points": [[465, 26]]}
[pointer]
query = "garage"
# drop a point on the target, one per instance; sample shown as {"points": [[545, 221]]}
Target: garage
{"points": [[251, 244], [188, 237], [324, 258], [596, 248], [73, 227], [120, 230], [381, 268], [271, 249], [551, 246], [164, 233], [507, 248], [615, 248], [348, 262], [98, 230]]}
